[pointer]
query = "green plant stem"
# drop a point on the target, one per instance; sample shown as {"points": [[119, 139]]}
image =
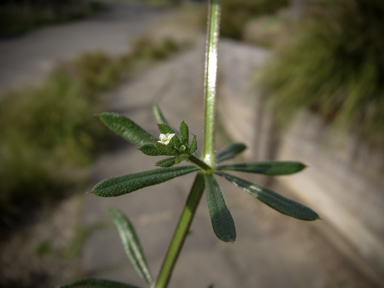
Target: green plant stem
{"points": [[208, 162], [181, 231], [199, 163], [210, 81]]}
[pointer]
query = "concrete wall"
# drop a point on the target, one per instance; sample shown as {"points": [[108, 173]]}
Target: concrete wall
{"points": [[344, 180], [241, 112]]}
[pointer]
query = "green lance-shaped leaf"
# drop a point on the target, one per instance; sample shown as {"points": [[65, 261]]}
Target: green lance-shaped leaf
{"points": [[161, 119], [193, 147], [159, 115], [158, 150], [272, 168], [168, 162], [131, 243], [164, 128], [273, 200], [95, 283], [184, 133], [229, 152], [117, 186], [126, 128], [168, 149], [221, 218]]}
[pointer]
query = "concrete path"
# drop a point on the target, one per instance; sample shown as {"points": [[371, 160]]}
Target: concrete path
{"points": [[28, 58], [258, 258]]}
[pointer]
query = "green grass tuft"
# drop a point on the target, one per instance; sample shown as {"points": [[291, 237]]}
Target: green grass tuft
{"points": [[49, 134], [46, 133], [97, 71], [44, 249], [333, 65], [146, 49]]}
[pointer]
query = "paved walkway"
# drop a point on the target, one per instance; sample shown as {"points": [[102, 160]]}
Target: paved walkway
{"points": [[27, 59]]}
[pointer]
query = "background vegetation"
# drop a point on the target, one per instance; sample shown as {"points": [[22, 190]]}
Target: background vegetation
{"points": [[236, 14], [48, 134], [333, 64], [18, 16]]}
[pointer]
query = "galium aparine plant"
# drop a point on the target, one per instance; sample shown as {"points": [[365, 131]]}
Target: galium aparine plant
{"points": [[177, 146]]}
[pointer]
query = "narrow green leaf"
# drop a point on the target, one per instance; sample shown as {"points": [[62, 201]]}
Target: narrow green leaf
{"points": [[230, 152], [131, 243], [162, 120], [168, 162], [193, 147], [117, 186], [221, 218], [168, 148], [272, 168], [164, 128], [126, 128], [158, 150], [95, 283], [181, 158], [184, 132], [273, 200], [159, 115]]}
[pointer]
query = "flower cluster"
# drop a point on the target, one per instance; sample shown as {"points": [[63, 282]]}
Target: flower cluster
{"points": [[171, 143]]}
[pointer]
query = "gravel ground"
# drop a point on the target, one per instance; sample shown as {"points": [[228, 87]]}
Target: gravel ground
{"points": [[46, 252]]}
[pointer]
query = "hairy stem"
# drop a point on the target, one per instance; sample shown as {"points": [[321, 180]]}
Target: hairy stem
{"points": [[181, 231], [199, 163], [208, 162], [210, 81]]}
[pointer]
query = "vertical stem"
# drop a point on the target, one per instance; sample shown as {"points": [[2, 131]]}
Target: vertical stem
{"points": [[208, 147], [210, 81], [181, 231]]}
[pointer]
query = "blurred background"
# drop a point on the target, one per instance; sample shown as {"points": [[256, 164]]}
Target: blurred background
{"points": [[298, 80]]}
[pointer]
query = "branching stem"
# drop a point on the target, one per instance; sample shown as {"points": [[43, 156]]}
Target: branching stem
{"points": [[208, 161], [199, 163]]}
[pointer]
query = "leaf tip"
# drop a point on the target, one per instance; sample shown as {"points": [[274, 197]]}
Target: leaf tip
{"points": [[231, 239]]}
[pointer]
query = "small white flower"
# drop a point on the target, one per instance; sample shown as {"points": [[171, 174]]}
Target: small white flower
{"points": [[165, 138]]}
